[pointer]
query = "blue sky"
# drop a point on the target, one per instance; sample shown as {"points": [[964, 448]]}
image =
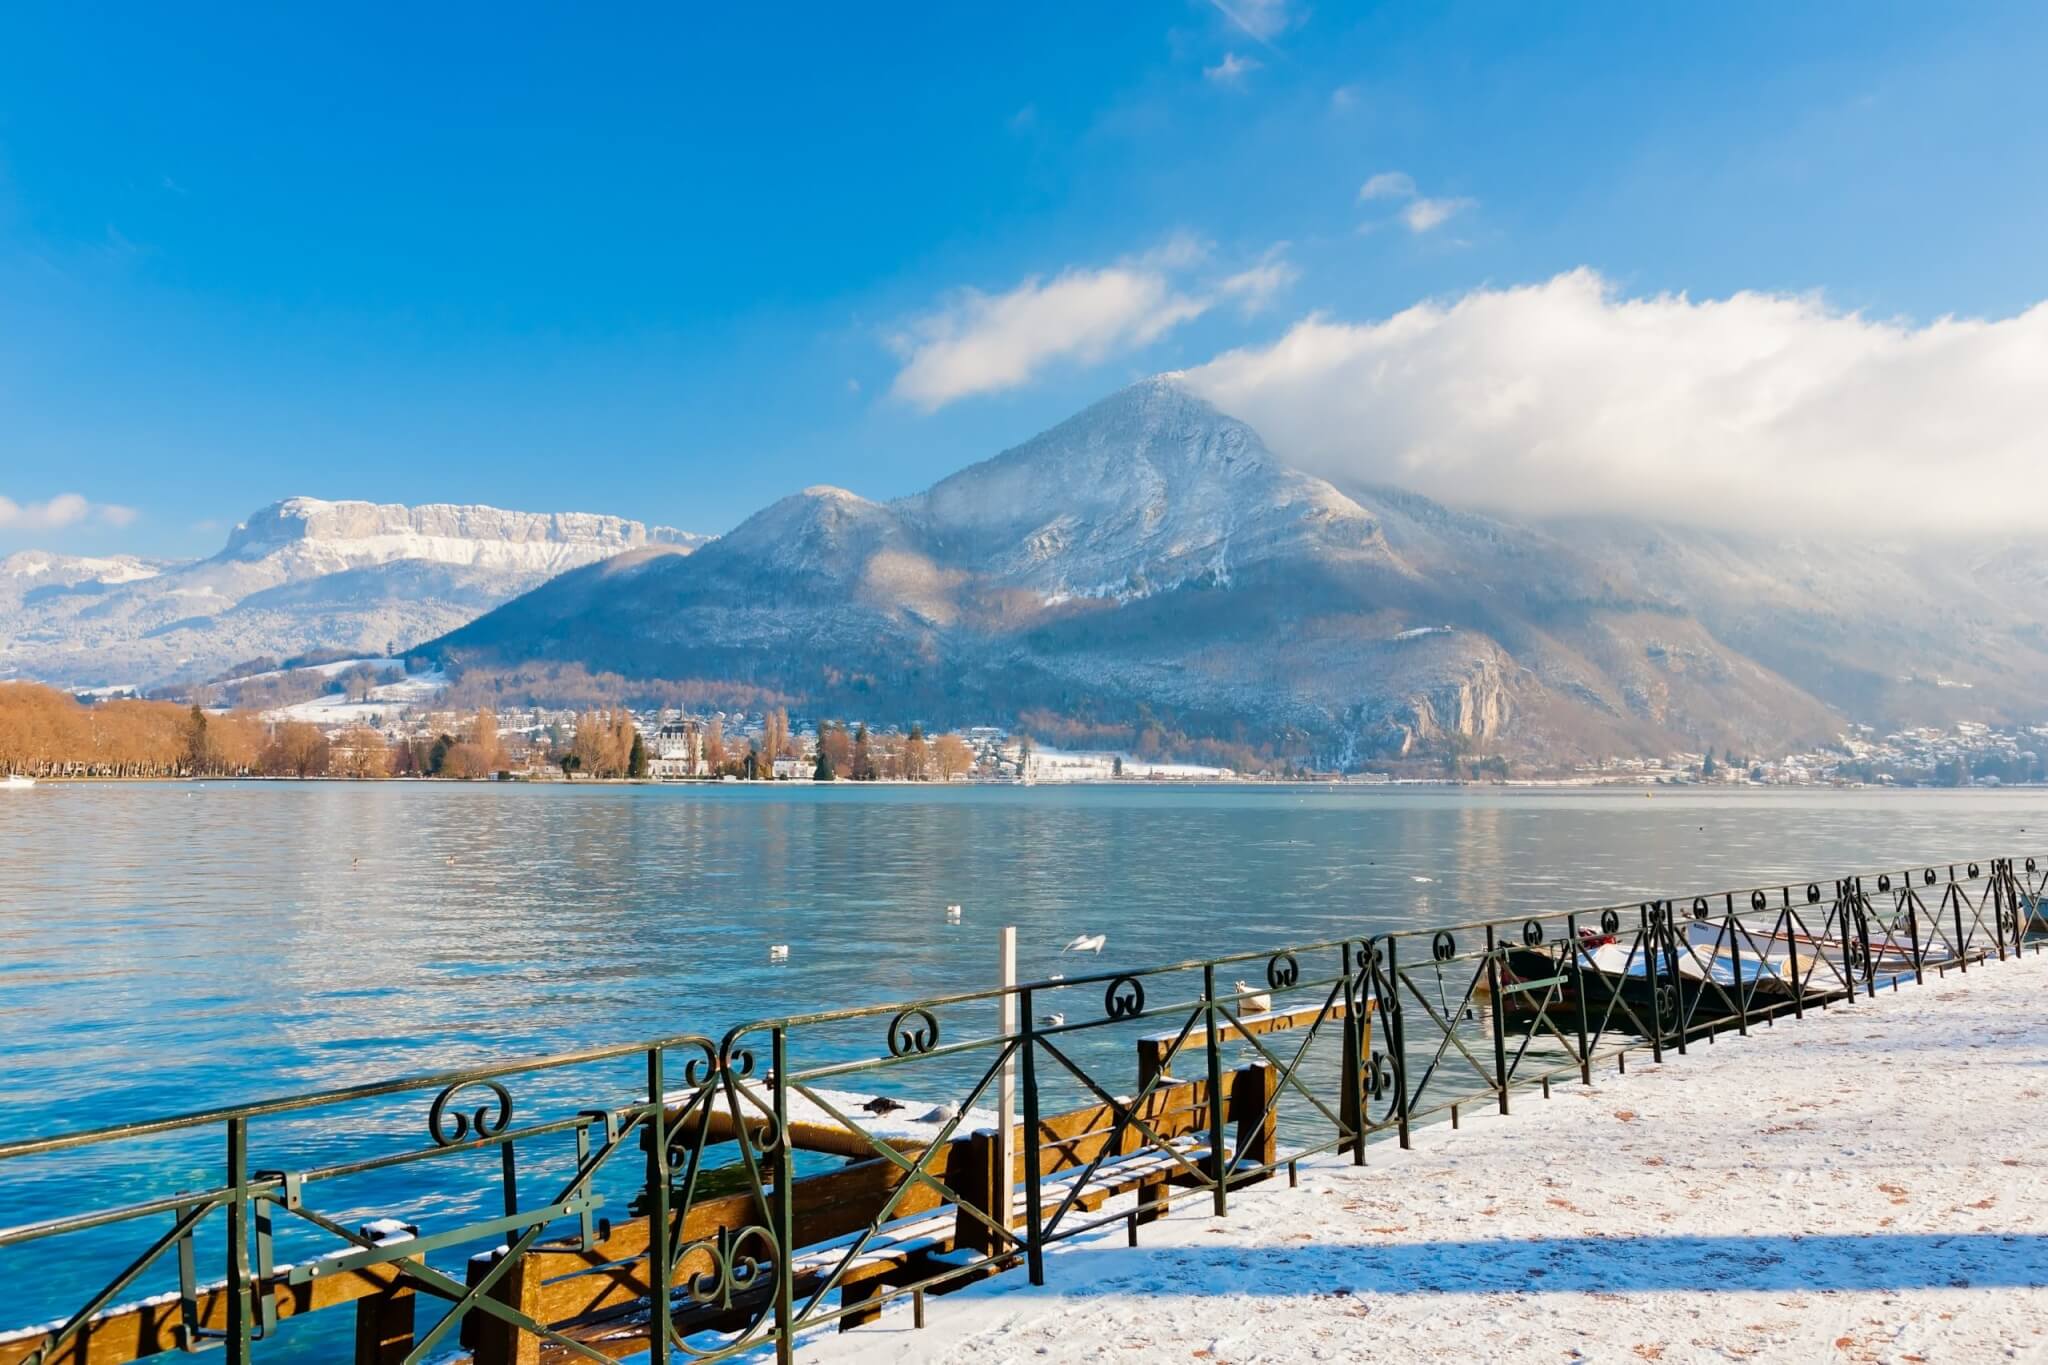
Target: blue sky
{"points": [[673, 265]]}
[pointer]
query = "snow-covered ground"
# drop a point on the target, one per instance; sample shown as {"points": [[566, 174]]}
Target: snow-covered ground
{"points": [[1069, 765], [1870, 1184], [334, 708]]}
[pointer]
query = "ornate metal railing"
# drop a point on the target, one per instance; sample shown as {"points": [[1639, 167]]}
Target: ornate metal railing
{"points": [[781, 1178]]}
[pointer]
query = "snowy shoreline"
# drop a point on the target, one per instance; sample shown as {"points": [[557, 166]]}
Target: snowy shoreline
{"points": [[1862, 1185]]}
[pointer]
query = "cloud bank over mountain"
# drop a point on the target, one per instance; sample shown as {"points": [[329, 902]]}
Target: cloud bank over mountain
{"points": [[1568, 398]]}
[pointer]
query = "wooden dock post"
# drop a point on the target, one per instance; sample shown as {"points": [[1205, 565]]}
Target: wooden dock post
{"points": [[384, 1327]]}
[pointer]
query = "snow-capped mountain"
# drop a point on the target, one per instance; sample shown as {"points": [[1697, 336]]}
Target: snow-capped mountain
{"points": [[1150, 562], [299, 575]]}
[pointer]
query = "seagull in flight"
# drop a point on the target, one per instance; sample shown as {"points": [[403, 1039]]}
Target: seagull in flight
{"points": [[1087, 943]]}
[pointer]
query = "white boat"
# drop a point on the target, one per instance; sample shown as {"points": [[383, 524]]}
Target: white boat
{"points": [[14, 782]]}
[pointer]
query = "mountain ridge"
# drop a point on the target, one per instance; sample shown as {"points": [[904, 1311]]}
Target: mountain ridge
{"points": [[1150, 563]]}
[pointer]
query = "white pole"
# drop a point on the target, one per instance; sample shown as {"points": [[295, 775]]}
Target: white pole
{"points": [[1006, 1102]]}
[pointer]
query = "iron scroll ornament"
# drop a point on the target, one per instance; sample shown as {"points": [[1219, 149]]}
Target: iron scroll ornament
{"points": [[913, 1032], [1124, 998], [1282, 971], [700, 1070], [1532, 932], [1699, 907], [1610, 921], [1379, 1076], [1443, 947], [731, 1270], [488, 1119]]}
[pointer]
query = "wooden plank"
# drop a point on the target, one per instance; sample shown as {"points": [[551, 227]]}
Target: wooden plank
{"points": [[1153, 1047], [142, 1330]]}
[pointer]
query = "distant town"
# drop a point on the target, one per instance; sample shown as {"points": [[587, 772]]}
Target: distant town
{"points": [[373, 718]]}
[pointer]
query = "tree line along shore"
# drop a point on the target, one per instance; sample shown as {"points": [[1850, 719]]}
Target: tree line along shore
{"points": [[47, 733]]}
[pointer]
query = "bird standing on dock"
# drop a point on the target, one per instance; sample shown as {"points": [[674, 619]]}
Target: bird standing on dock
{"points": [[1254, 1002], [1086, 943]]}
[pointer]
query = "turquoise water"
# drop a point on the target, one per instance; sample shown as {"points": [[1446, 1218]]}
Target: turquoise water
{"points": [[168, 947]]}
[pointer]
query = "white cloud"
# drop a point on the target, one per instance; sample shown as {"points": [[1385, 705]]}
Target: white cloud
{"points": [[984, 343], [65, 509], [1344, 97], [1231, 70], [1262, 19], [1254, 288], [1421, 215], [1387, 185], [1769, 411]]}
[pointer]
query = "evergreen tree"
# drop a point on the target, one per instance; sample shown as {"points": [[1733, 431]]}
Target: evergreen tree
{"points": [[437, 757], [195, 739], [822, 772], [1707, 765], [863, 755], [636, 759]]}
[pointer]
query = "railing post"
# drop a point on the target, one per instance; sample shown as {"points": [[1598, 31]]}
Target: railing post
{"points": [[1784, 930], [1667, 921], [1034, 1219], [1735, 928], [1351, 1086], [1962, 944], [1863, 937], [1653, 963], [1215, 1059], [654, 1134], [1571, 928], [1397, 1035], [238, 1242], [1998, 910], [1913, 934], [785, 1204], [1500, 1042]]}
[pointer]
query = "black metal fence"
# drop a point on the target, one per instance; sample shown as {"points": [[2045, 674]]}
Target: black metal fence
{"points": [[799, 1171]]}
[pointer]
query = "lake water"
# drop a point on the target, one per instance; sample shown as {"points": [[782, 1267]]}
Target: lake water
{"points": [[167, 947]]}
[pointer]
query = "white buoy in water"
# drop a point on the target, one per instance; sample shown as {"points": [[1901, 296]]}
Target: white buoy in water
{"points": [[778, 952], [952, 914]]}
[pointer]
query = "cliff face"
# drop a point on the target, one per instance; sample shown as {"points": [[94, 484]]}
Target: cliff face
{"points": [[299, 575]]}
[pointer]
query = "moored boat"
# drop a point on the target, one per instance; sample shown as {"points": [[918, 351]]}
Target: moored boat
{"points": [[16, 782]]}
